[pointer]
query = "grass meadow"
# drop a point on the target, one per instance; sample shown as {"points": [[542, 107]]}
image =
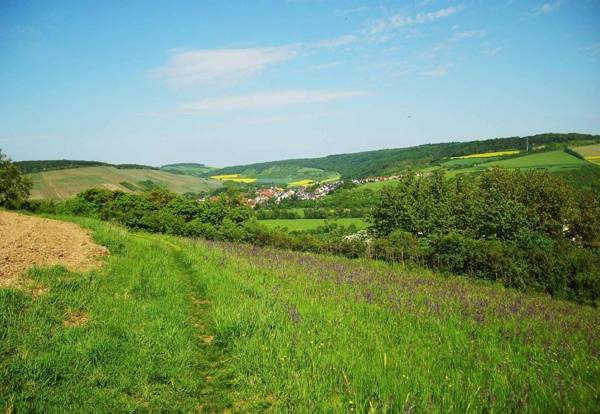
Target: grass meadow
{"points": [[176, 325], [312, 224]]}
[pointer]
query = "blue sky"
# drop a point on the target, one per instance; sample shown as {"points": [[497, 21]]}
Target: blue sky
{"points": [[226, 82]]}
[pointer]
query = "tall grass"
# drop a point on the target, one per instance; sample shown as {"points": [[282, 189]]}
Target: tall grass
{"points": [[319, 334], [125, 338], [177, 326]]}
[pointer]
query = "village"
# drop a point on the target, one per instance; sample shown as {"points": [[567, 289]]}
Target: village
{"points": [[278, 194]]}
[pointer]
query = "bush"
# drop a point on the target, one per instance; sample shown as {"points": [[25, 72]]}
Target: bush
{"points": [[14, 188]]}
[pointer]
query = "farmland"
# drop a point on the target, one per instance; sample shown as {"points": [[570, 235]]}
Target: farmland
{"points": [[553, 161], [236, 178], [169, 324], [493, 154], [312, 224], [62, 184], [589, 152]]}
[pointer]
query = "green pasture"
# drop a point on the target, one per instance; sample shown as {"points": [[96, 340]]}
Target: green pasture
{"points": [[312, 224]]}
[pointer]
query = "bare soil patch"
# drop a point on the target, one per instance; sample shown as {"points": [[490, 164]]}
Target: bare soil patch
{"points": [[76, 319], [26, 241]]}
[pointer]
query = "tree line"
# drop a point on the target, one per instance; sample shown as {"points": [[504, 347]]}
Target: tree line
{"points": [[528, 230]]}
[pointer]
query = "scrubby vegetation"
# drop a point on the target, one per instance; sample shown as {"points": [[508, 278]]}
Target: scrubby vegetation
{"points": [[527, 230], [14, 188]]}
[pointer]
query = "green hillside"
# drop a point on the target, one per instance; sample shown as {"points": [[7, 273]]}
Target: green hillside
{"points": [[198, 170], [175, 325], [287, 173], [65, 183], [553, 161], [389, 161]]}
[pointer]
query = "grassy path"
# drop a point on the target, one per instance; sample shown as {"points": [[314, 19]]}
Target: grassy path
{"points": [[130, 337], [173, 325]]}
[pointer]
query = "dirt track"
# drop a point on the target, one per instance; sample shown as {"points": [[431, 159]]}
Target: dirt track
{"points": [[25, 241]]}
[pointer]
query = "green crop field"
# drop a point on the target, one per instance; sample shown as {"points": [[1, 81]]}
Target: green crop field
{"points": [[373, 186], [311, 224], [62, 184], [174, 325], [553, 161]]}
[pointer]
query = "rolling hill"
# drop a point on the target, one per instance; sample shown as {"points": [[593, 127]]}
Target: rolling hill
{"points": [[64, 183], [389, 161]]}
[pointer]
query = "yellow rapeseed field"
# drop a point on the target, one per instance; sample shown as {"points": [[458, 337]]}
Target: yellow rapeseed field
{"points": [[233, 177], [490, 154], [301, 183]]}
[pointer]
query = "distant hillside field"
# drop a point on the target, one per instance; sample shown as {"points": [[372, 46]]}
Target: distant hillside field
{"points": [[553, 161], [390, 161], [286, 174], [589, 152], [197, 170], [62, 184]]}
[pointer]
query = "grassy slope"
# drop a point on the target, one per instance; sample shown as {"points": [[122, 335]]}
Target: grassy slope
{"points": [[285, 174], [554, 161], [293, 333], [311, 224], [197, 170], [62, 184]]}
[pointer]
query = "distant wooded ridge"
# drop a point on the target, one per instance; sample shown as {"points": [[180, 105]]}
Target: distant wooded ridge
{"points": [[28, 167], [389, 161], [359, 164]]}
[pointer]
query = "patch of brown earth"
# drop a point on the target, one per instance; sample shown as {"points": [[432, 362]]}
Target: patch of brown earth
{"points": [[26, 241], [75, 319]]}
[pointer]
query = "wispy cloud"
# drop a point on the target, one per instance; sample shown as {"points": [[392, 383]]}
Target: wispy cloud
{"points": [[549, 7], [204, 66], [293, 117], [458, 36], [337, 41], [402, 20], [353, 10], [592, 50], [261, 100], [324, 66], [436, 72]]}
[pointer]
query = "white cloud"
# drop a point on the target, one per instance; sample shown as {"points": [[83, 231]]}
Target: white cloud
{"points": [[206, 66], [436, 72], [337, 41], [400, 20], [549, 7], [261, 100], [468, 34]]}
